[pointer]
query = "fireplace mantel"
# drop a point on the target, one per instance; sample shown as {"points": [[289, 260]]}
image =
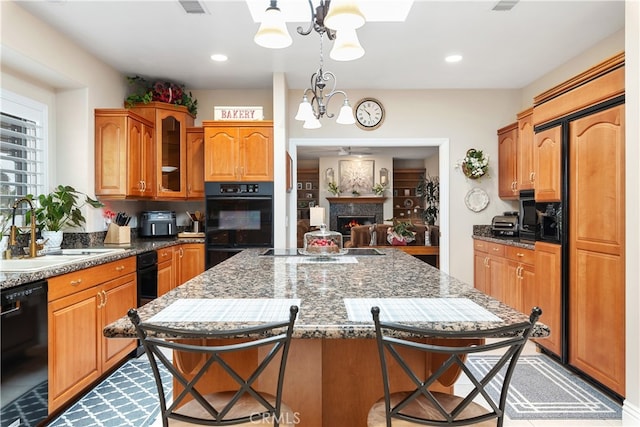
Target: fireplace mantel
{"points": [[359, 199]]}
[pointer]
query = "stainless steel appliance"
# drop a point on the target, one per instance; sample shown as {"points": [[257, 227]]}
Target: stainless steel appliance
{"points": [[238, 215], [158, 223], [505, 225], [24, 354]]}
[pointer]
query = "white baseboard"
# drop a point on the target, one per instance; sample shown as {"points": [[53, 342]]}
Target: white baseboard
{"points": [[630, 415]]}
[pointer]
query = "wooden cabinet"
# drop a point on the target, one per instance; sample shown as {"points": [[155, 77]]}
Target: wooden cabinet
{"points": [[490, 268], [480, 267], [547, 155], [124, 155], [80, 305], [596, 246], [166, 270], [507, 161], [195, 163], [547, 293], [406, 204], [308, 191], [525, 163], [190, 261], [238, 151], [170, 123]]}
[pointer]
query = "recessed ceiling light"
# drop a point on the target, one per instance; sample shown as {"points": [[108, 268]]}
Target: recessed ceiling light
{"points": [[219, 57], [453, 58]]}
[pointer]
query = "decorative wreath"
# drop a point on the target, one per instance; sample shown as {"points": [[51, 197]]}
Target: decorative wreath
{"points": [[475, 164]]}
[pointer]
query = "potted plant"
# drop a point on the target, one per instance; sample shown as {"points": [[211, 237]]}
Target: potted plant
{"points": [[4, 232], [379, 189], [333, 188], [429, 188], [400, 233], [59, 209]]}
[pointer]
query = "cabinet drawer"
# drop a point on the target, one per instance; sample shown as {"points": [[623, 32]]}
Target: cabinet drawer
{"points": [[480, 245], [495, 249], [70, 283], [165, 254], [525, 256]]}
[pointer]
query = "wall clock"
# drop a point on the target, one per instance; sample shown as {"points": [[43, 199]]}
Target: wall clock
{"points": [[369, 113]]}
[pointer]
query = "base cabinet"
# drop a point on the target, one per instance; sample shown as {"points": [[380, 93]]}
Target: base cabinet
{"points": [[547, 293], [191, 261], [80, 305], [166, 270], [177, 264]]}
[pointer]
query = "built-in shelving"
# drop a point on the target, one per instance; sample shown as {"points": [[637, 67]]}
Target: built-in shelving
{"points": [[406, 204]]}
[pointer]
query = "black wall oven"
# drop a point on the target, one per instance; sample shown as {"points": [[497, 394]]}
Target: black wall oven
{"points": [[239, 215]]}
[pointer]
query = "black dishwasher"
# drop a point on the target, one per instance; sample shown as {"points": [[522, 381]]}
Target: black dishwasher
{"points": [[24, 339], [147, 268]]}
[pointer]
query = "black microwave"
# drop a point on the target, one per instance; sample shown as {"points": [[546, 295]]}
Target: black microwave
{"points": [[529, 218]]}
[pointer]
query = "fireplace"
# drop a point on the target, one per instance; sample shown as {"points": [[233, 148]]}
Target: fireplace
{"points": [[345, 222]]}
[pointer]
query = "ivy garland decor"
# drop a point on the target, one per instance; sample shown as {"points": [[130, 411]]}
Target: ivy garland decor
{"points": [[475, 164], [161, 91]]}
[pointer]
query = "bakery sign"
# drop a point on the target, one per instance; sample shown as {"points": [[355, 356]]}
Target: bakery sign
{"points": [[237, 113]]}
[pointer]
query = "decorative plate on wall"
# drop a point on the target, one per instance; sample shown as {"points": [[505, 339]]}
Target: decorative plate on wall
{"points": [[476, 199], [408, 203]]}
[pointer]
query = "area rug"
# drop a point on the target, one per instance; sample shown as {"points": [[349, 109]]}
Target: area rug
{"points": [[543, 389], [30, 408], [128, 397]]}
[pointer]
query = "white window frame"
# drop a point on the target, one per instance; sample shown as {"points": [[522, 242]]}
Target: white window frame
{"points": [[20, 106]]}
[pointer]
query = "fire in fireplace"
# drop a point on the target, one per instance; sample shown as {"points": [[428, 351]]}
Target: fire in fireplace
{"points": [[345, 222]]}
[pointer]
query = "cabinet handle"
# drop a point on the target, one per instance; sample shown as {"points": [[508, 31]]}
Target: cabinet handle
{"points": [[519, 254], [496, 249], [486, 261], [105, 298], [75, 282], [532, 176], [181, 252], [101, 303], [120, 268]]}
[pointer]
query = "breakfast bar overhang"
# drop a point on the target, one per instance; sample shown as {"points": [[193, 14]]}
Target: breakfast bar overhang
{"points": [[333, 373]]}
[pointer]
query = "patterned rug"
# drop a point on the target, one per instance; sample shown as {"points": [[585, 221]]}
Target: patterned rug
{"points": [[128, 397], [543, 389], [30, 408]]}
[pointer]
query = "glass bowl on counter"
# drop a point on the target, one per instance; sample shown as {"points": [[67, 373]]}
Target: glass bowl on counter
{"points": [[323, 242]]}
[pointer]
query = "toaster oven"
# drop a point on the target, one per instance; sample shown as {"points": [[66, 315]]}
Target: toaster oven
{"points": [[505, 225]]}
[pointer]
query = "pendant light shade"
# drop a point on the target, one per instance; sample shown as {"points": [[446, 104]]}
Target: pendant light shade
{"points": [[305, 111], [347, 46], [345, 117], [344, 14], [312, 124], [273, 32]]}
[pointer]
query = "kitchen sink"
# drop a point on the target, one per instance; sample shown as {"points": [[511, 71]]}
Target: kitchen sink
{"points": [[57, 259]]}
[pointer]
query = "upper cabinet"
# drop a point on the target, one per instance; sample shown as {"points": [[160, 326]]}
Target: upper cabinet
{"points": [[195, 163], [238, 151], [525, 166], [124, 155], [507, 156], [547, 155], [171, 122]]}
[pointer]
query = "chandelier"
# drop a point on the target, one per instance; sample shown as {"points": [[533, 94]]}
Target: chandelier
{"points": [[339, 22]]}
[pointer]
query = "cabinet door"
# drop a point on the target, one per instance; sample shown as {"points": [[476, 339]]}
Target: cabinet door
{"points": [[547, 293], [147, 162], [110, 155], [171, 132], [256, 153], [525, 166], [480, 272], [117, 297], [512, 290], [140, 177], [191, 261], [74, 345], [165, 277], [497, 277], [220, 154], [596, 247], [507, 156], [195, 163], [547, 158]]}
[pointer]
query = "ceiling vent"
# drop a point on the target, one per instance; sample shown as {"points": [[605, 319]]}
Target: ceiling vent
{"points": [[505, 5], [193, 7]]}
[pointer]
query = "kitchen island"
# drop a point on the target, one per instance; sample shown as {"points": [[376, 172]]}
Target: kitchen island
{"points": [[333, 373]]}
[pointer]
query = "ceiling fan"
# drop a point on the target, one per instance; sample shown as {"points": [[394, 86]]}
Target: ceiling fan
{"points": [[358, 151]]}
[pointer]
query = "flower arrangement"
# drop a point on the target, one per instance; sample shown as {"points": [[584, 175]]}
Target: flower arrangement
{"points": [[475, 164], [162, 91], [378, 189], [333, 188], [400, 234]]}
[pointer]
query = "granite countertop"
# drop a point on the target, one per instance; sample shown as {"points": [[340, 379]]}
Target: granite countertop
{"points": [[321, 288], [11, 279], [509, 241]]}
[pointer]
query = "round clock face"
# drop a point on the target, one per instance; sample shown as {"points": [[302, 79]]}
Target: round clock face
{"points": [[369, 113]]}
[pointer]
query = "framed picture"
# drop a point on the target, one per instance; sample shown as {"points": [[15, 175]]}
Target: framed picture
{"points": [[308, 186], [309, 195], [356, 176], [299, 186]]}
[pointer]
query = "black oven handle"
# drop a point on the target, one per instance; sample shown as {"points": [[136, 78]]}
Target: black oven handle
{"points": [[218, 198]]}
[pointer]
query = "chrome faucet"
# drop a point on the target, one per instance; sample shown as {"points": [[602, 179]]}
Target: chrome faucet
{"points": [[33, 246]]}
